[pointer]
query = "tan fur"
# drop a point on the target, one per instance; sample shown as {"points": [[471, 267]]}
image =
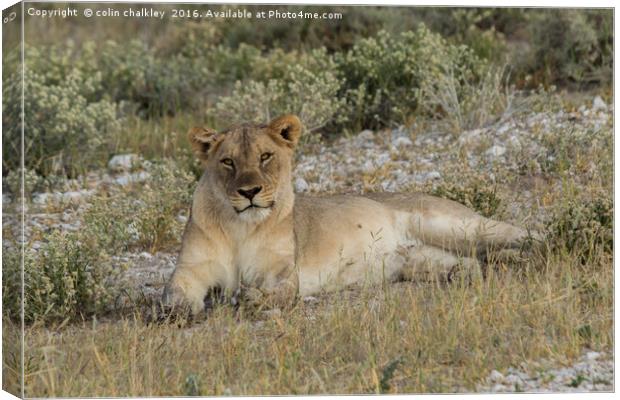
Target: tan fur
{"points": [[298, 245]]}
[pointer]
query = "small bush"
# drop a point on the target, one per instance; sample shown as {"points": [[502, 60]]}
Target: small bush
{"points": [[145, 217], [584, 226], [66, 278], [13, 182], [384, 75], [571, 46], [475, 193], [168, 192], [66, 125], [305, 89], [465, 102]]}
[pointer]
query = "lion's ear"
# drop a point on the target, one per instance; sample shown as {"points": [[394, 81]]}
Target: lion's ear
{"points": [[202, 140], [286, 129]]}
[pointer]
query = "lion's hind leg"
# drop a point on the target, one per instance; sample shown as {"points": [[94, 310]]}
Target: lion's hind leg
{"points": [[466, 232], [427, 262]]}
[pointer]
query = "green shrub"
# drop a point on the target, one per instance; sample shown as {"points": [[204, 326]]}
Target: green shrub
{"points": [[65, 126], [11, 281], [308, 88], [13, 182], [133, 73], [584, 225], [65, 278], [384, 75], [473, 192], [571, 45], [465, 102], [168, 192], [145, 216]]}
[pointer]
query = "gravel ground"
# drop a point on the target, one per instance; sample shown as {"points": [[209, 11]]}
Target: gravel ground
{"points": [[594, 371]]}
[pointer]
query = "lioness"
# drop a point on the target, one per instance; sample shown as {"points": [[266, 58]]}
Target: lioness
{"points": [[248, 228]]}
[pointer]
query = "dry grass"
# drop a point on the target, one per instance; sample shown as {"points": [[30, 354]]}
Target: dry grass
{"points": [[409, 337]]}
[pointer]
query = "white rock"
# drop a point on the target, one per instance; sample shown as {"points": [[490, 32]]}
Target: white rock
{"points": [[498, 388], [310, 299], [76, 197], [44, 198], [468, 136], [146, 255], [496, 376], [592, 355], [513, 379], [123, 162], [383, 158], [368, 166], [181, 219], [275, 312], [366, 135], [126, 179], [301, 185], [514, 142], [599, 104], [402, 141], [432, 175], [496, 151]]}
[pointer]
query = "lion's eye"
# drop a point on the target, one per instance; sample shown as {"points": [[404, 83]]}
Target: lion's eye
{"points": [[265, 156], [227, 161]]}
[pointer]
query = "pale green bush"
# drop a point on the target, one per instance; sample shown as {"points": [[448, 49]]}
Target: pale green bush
{"points": [[584, 226], [570, 45], [308, 89], [13, 182], [143, 217], [65, 127], [65, 278], [465, 102], [384, 74]]}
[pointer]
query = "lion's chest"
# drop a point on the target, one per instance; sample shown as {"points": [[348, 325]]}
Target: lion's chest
{"points": [[262, 262]]}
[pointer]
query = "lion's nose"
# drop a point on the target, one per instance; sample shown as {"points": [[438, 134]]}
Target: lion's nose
{"points": [[250, 193]]}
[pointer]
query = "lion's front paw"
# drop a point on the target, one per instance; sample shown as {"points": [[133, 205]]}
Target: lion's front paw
{"points": [[177, 301]]}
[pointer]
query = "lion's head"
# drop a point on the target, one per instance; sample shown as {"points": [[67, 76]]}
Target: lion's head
{"points": [[249, 165]]}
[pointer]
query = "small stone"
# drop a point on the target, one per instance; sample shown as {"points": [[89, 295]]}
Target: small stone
{"points": [[496, 376], [496, 151], [432, 175], [402, 141], [76, 197], [146, 255], [126, 179], [598, 104], [513, 379], [383, 158], [368, 166], [514, 142], [273, 312], [182, 219], [301, 185], [310, 299], [123, 162], [44, 198], [592, 355], [366, 135], [498, 388]]}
